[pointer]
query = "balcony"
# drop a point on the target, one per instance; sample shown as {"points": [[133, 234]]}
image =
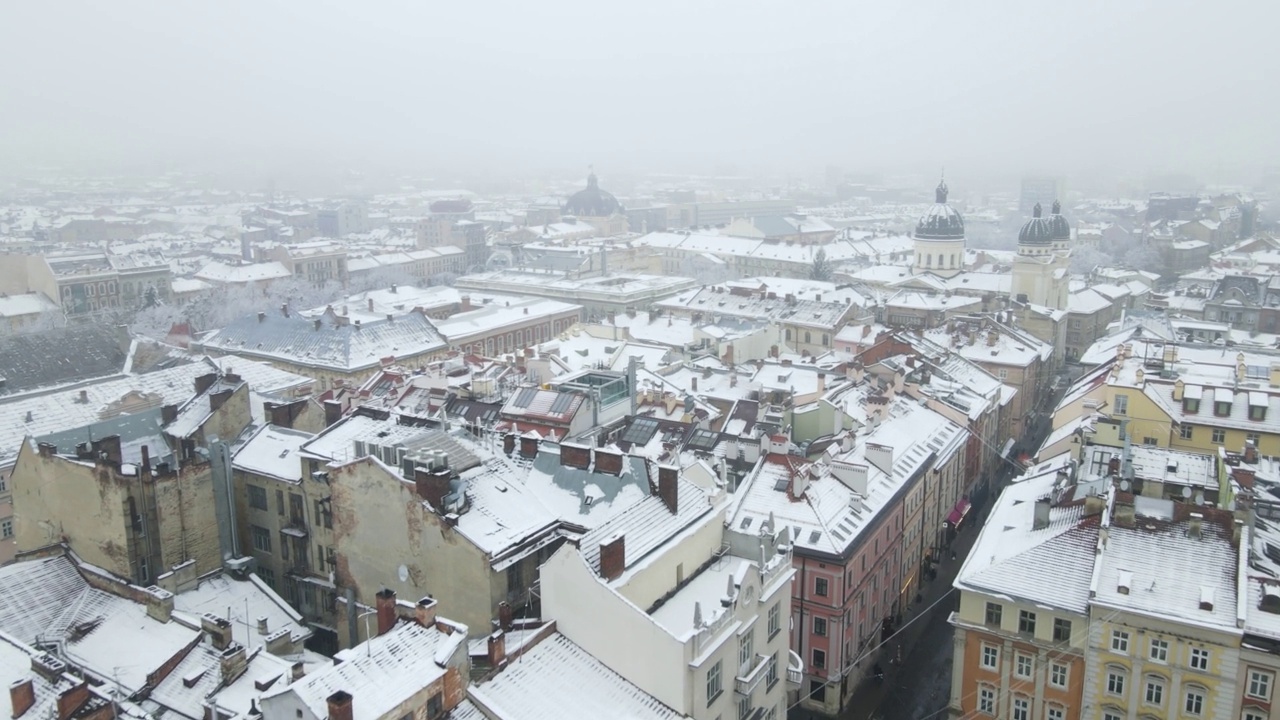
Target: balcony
{"points": [[750, 676], [795, 670]]}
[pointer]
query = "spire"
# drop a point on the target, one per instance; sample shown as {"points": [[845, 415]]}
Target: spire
{"points": [[591, 176], [940, 195], [1057, 208], [1037, 211]]}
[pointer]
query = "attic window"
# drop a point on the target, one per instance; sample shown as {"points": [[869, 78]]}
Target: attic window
{"points": [[746, 523], [814, 536], [1190, 405], [1221, 409], [1124, 582], [1206, 598]]}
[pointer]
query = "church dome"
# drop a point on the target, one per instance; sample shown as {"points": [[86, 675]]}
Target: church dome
{"points": [[1061, 230], [940, 222], [592, 201], [1038, 230]]}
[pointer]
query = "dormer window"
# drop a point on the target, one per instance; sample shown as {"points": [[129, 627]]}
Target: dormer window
{"points": [[1221, 408], [1190, 406], [1257, 412]]}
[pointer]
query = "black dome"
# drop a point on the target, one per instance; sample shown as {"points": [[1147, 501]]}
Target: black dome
{"points": [[1038, 230], [940, 222], [1061, 230], [592, 201]]}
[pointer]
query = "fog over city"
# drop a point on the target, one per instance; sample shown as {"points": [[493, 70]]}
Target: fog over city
{"points": [[273, 88]]}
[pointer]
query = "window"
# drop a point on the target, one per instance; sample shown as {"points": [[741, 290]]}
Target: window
{"points": [[713, 683], [6, 528], [1253, 438], [1155, 692], [435, 706], [1108, 715], [267, 575], [1003, 373], [1250, 715], [1024, 665], [1159, 650], [1122, 405], [1021, 709], [1026, 622], [819, 626], [1219, 435], [1119, 641], [257, 498], [1221, 409], [1058, 675], [819, 659], [744, 650], [990, 657], [1259, 685], [1055, 712], [1199, 659], [261, 538], [1150, 442], [820, 587], [775, 619], [1061, 630], [1194, 704], [1185, 431], [1115, 682], [1191, 405], [987, 701], [771, 675], [817, 691], [280, 502]]}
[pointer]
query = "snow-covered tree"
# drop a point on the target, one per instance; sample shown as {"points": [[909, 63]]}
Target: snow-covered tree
{"points": [[822, 269]]}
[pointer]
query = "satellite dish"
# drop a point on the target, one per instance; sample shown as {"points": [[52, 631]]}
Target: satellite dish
{"points": [[1199, 498], [1124, 485], [403, 573], [1186, 492]]}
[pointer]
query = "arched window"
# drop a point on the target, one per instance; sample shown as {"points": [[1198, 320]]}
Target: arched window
{"points": [[953, 259], [807, 339], [940, 260], [928, 260], [788, 334]]}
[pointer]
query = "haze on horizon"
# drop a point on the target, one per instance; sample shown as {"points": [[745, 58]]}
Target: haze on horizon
{"points": [[505, 87]]}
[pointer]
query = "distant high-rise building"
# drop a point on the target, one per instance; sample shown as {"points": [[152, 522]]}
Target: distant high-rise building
{"points": [[1040, 190]]}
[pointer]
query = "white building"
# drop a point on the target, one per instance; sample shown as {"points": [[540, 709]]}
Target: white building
{"points": [[655, 595]]}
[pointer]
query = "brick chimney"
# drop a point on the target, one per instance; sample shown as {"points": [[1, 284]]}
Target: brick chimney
{"points": [[497, 648], [508, 443], [432, 485], [669, 487], [332, 412], [339, 705], [529, 447], [506, 615], [574, 455], [613, 557], [168, 413], [22, 695], [608, 461], [386, 605], [465, 304], [72, 699], [218, 630], [218, 399]]}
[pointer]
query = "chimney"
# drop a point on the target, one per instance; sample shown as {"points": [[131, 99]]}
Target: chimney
{"points": [[262, 317], [1250, 452], [1041, 520], [22, 696], [497, 648], [612, 317], [508, 443], [1195, 527], [370, 304], [386, 603], [822, 382], [146, 458], [393, 288], [284, 309], [506, 615], [204, 382], [339, 705], [529, 446], [613, 557], [669, 487], [575, 456], [424, 613], [1123, 515], [72, 699], [332, 412], [233, 663], [693, 383], [263, 626], [218, 399], [465, 304], [168, 413], [317, 323], [159, 604], [432, 486], [297, 672], [218, 630], [608, 461], [799, 485]]}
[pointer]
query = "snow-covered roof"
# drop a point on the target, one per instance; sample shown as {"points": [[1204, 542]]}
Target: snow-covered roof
{"points": [[247, 599], [557, 679], [486, 319], [274, 452], [32, 303], [221, 273]]}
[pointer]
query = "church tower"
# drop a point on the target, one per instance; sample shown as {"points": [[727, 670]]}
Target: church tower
{"points": [[1040, 271], [939, 238]]}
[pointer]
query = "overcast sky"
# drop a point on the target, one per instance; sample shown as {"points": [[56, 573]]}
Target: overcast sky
{"points": [[647, 86]]}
